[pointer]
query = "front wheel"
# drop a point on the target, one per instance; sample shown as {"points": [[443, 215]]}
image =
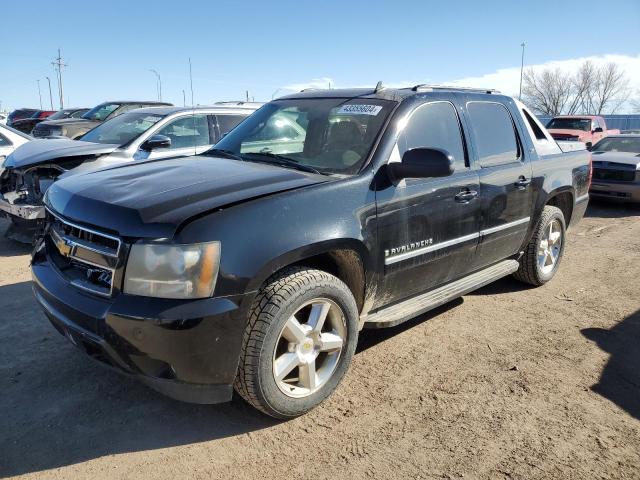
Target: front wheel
{"points": [[542, 256], [298, 343]]}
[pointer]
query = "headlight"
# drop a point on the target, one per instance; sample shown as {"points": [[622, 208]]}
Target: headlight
{"points": [[172, 271]]}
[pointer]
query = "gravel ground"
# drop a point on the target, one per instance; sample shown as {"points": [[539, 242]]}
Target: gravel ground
{"points": [[508, 383]]}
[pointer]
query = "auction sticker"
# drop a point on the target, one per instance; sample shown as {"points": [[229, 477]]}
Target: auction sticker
{"points": [[360, 109]]}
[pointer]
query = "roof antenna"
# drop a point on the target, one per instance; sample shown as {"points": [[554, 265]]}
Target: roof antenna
{"points": [[379, 87]]}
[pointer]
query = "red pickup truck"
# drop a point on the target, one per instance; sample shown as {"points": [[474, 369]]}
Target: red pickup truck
{"points": [[588, 129]]}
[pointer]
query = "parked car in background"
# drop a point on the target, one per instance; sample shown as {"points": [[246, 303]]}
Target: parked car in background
{"points": [[587, 129], [256, 268], [26, 125], [10, 139], [143, 134], [616, 168], [76, 127], [19, 114]]}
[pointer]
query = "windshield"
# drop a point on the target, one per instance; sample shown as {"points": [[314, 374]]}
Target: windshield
{"points": [[570, 124], [618, 144], [101, 111], [333, 135], [122, 129]]}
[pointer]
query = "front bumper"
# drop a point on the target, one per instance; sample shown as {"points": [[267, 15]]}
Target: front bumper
{"points": [[616, 191], [24, 211], [187, 350]]}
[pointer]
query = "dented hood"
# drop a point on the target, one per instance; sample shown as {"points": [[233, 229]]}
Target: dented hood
{"points": [[152, 199], [53, 150]]}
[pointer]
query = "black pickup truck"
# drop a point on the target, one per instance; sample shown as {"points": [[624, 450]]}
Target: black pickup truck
{"points": [[255, 265]]}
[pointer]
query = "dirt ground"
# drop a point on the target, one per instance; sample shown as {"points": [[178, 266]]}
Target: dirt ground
{"points": [[507, 383]]}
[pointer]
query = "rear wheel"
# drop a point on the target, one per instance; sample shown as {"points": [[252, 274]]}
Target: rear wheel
{"points": [[542, 255], [298, 344]]}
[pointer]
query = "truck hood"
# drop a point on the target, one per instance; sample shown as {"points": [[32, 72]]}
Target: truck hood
{"points": [[67, 122], [53, 151], [627, 158], [152, 199], [567, 132]]}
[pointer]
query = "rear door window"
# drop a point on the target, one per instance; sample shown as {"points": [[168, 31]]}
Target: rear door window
{"points": [[226, 123], [494, 133]]}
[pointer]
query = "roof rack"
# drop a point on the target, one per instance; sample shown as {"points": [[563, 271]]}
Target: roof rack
{"points": [[426, 87]]}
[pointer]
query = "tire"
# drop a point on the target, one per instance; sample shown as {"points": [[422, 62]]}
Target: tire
{"points": [[272, 342], [533, 269]]}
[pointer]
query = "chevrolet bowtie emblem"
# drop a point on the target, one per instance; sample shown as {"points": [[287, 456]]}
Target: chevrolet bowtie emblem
{"points": [[63, 247]]}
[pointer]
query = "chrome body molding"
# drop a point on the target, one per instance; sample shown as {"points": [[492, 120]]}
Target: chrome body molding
{"points": [[390, 260], [489, 231]]}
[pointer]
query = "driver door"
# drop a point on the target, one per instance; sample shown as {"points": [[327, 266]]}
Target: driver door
{"points": [[428, 228]]}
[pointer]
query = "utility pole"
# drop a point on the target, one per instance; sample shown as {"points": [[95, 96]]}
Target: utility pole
{"points": [[191, 81], [58, 65], [521, 70], [50, 96], [158, 84], [184, 99], [39, 94], [247, 93]]}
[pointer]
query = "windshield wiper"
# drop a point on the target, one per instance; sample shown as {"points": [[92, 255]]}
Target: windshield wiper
{"points": [[285, 162], [224, 153]]}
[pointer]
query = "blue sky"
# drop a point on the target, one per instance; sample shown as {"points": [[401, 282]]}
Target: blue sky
{"points": [[264, 46]]}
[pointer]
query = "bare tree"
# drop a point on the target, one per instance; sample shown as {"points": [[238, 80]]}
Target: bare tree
{"points": [[547, 92], [611, 89], [591, 90], [582, 83]]}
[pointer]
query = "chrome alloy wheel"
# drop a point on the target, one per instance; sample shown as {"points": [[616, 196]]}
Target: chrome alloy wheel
{"points": [[309, 347], [549, 247]]}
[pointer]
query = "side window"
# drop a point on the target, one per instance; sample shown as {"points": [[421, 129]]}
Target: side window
{"points": [[184, 132], [226, 123], [494, 133], [535, 128], [434, 125], [4, 142]]}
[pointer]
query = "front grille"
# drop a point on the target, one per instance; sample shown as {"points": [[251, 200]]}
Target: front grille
{"points": [[613, 174], [87, 258], [40, 131]]}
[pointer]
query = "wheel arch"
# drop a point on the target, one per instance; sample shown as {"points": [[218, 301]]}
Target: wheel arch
{"points": [[562, 198], [347, 259]]}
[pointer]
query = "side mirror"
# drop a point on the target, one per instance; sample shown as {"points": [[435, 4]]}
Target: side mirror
{"points": [[597, 130], [423, 163], [155, 142]]}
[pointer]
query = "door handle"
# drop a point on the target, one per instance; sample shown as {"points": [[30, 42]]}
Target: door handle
{"points": [[465, 196], [522, 183]]}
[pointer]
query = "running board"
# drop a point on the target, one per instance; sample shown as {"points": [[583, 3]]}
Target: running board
{"points": [[411, 308]]}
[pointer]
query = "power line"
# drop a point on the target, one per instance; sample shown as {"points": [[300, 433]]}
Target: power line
{"points": [[521, 70], [158, 83], [39, 94], [191, 81], [58, 65], [50, 96]]}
